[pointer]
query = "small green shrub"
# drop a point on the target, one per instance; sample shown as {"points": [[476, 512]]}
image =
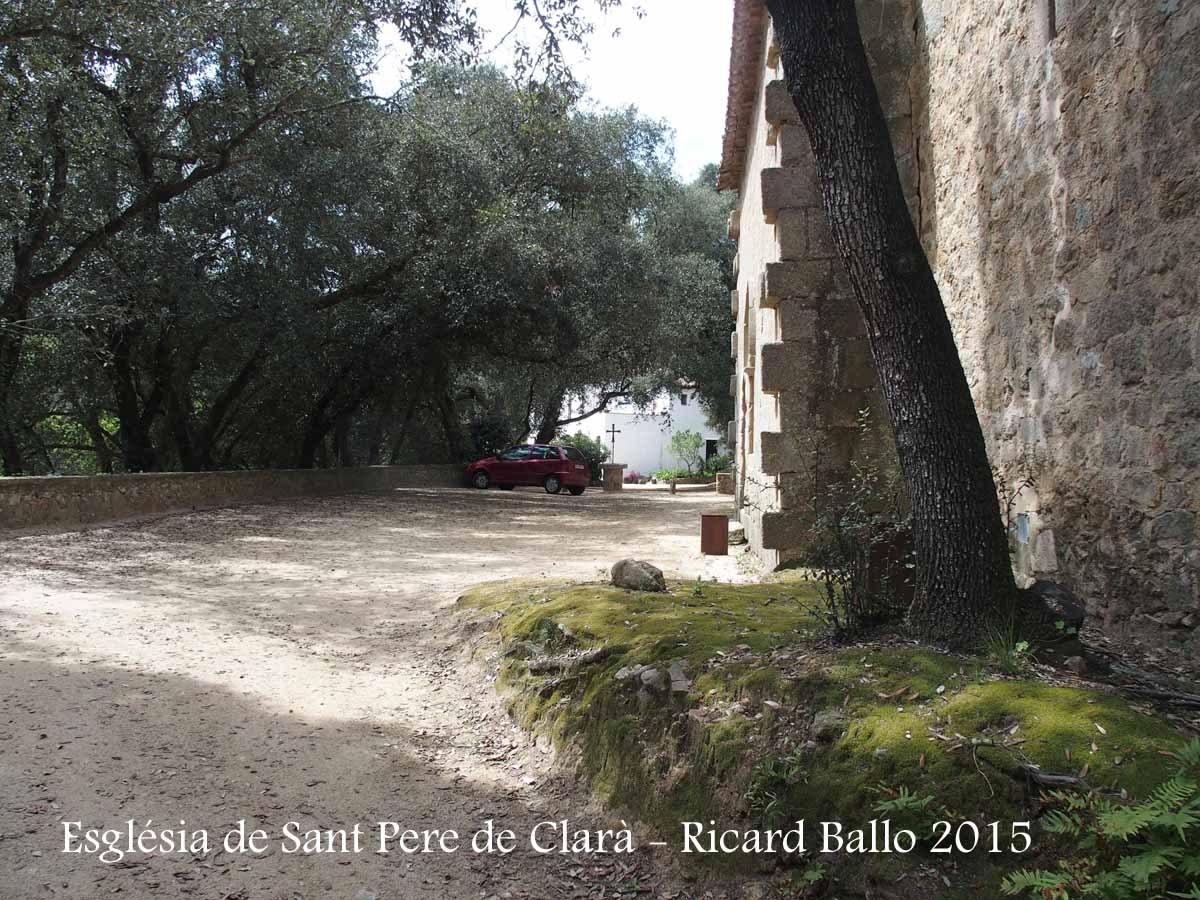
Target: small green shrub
{"points": [[849, 518], [722, 462], [1006, 649], [670, 474], [1124, 851]]}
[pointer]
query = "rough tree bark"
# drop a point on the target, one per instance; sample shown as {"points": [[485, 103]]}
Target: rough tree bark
{"points": [[964, 577]]}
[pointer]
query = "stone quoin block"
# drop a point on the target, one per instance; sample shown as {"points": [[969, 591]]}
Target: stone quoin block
{"points": [[785, 367], [733, 303], [733, 227], [820, 238], [784, 531], [733, 344], [781, 452], [787, 189], [795, 150], [839, 409], [791, 233], [780, 110], [733, 385], [798, 321], [803, 279], [857, 366]]}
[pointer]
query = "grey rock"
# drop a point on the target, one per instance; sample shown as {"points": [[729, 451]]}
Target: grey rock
{"points": [[1175, 527], [827, 725], [1052, 603], [653, 679], [1172, 619], [680, 683], [636, 575]]}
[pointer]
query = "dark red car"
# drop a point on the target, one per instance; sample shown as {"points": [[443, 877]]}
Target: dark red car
{"points": [[554, 468]]}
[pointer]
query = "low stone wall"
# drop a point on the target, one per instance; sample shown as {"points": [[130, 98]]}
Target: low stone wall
{"points": [[60, 502]]}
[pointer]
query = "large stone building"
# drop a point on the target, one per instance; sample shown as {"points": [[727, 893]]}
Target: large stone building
{"points": [[1050, 152]]}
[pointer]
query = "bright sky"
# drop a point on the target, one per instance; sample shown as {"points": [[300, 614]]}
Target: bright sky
{"points": [[673, 65]]}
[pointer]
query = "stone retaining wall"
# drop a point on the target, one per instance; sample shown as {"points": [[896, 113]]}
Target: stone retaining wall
{"points": [[63, 502]]}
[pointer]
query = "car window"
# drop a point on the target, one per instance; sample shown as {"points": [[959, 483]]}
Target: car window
{"points": [[572, 453], [547, 453], [516, 453]]}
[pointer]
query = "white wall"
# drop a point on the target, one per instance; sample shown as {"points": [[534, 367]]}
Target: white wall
{"points": [[644, 439]]}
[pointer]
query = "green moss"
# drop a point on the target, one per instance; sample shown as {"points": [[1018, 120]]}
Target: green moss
{"points": [[648, 754]]}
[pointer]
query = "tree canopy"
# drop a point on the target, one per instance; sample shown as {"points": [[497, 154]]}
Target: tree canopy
{"points": [[225, 252]]}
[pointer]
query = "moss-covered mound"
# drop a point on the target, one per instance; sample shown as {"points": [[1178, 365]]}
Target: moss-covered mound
{"points": [[714, 702]]}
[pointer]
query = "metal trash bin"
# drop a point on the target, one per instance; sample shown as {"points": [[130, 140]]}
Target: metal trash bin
{"points": [[714, 535]]}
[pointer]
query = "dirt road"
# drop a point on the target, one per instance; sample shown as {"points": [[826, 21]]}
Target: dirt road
{"points": [[295, 662]]}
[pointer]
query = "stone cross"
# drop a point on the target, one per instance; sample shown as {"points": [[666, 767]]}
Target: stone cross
{"points": [[613, 431]]}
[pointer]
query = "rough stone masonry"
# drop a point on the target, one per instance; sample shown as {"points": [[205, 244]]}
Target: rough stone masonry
{"points": [[1050, 154]]}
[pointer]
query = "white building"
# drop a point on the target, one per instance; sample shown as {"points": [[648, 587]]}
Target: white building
{"points": [[644, 435]]}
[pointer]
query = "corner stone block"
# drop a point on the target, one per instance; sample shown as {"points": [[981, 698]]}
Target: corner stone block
{"points": [[733, 303], [858, 365], [733, 379], [783, 531], [785, 367], [806, 279], [780, 109], [780, 453], [795, 151], [733, 344], [797, 321], [820, 238], [839, 409], [791, 233], [787, 189]]}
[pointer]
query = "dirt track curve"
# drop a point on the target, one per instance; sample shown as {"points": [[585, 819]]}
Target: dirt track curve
{"points": [[296, 661]]}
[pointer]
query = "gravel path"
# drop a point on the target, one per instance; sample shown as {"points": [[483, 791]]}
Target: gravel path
{"points": [[296, 662]]}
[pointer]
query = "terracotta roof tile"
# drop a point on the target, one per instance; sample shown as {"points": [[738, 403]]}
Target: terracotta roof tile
{"points": [[745, 64]]}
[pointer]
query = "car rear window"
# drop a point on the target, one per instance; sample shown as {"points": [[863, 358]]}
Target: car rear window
{"points": [[572, 453]]}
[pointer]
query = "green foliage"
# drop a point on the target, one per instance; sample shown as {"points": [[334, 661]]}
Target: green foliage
{"points": [[721, 462], [670, 474], [1006, 649], [850, 518], [593, 451], [687, 447], [253, 262], [1124, 851], [915, 812]]}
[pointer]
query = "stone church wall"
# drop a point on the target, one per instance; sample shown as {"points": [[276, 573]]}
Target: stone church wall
{"points": [[1059, 189], [1052, 165]]}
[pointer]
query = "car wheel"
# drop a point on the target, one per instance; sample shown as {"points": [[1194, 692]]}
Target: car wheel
{"points": [[506, 487], [552, 484], [576, 491], [481, 480]]}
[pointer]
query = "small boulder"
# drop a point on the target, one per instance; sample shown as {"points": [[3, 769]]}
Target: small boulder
{"points": [[636, 575], [680, 683], [827, 725], [1048, 603], [653, 679]]}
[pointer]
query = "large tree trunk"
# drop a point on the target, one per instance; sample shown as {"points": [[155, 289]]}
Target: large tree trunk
{"points": [[551, 413], [964, 577], [13, 309]]}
